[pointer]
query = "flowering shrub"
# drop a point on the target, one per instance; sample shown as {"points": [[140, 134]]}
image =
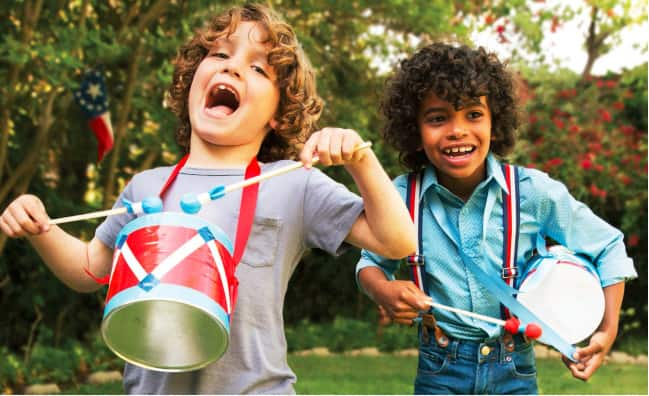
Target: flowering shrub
{"points": [[592, 135]]}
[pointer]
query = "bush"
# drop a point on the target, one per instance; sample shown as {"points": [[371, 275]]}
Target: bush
{"points": [[347, 334]]}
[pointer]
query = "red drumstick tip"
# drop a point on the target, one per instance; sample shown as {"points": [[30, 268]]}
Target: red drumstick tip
{"points": [[533, 331], [512, 325]]}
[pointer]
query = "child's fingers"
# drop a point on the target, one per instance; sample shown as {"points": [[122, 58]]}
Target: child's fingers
{"points": [[306, 156], [336, 137], [20, 217], [324, 146], [37, 213], [11, 227], [349, 144]]}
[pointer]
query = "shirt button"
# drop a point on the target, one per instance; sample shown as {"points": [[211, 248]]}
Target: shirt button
{"points": [[484, 351]]}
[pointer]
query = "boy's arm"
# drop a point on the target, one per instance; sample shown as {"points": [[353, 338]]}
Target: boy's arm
{"points": [[64, 254], [385, 226], [67, 256], [592, 356]]}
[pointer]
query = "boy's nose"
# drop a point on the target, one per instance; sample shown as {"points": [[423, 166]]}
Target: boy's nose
{"points": [[458, 131], [230, 68]]}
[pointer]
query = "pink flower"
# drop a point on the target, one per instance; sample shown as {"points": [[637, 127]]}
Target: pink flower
{"points": [[618, 105], [598, 167], [595, 147], [633, 240], [627, 130], [597, 192], [605, 115], [554, 162], [586, 164], [558, 123], [574, 128]]}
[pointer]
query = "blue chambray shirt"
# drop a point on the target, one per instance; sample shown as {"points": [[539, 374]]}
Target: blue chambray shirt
{"points": [[476, 227]]}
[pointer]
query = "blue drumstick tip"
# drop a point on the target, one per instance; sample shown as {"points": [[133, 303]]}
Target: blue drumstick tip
{"points": [[152, 205], [190, 204]]}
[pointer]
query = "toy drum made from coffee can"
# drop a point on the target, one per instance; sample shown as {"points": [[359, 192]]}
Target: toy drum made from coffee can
{"points": [[172, 289], [564, 290]]}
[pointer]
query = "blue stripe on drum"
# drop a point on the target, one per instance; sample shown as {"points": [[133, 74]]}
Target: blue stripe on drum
{"points": [[169, 292], [176, 219]]}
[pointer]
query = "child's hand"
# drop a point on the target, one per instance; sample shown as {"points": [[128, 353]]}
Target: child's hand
{"points": [[590, 357], [332, 146], [400, 302], [24, 216]]}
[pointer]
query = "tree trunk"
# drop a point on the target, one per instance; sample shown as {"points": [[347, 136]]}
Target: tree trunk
{"points": [[594, 43], [31, 15]]}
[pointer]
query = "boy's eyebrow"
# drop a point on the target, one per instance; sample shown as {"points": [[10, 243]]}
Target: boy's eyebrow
{"points": [[434, 110]]}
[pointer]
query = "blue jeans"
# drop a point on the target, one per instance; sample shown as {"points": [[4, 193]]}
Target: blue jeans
{"points": [[475, 367]]}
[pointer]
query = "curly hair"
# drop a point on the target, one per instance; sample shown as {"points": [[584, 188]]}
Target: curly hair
{"points": [[299, 105], [458, 75]]}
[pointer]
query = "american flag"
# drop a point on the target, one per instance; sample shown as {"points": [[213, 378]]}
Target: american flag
{"points": [[93, 100]]}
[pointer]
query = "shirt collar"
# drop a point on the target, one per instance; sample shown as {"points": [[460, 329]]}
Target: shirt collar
{"points": [[494, 171]]}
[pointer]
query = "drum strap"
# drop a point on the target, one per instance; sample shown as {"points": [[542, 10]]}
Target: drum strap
{"points": [[499, 289], [246, 209]]}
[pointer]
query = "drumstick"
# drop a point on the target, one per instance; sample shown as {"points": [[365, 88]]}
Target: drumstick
{"points": [[147, 205], [192, 203], [511, 325]]}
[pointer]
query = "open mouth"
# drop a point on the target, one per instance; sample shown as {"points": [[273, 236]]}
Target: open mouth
{"points": [[459, 150], [223, 99]]}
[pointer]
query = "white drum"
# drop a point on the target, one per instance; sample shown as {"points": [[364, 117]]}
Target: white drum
{"points": [[564, 291]]}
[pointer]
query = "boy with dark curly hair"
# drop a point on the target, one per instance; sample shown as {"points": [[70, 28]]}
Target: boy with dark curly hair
{"points": [[451, 113], [244, 92]]}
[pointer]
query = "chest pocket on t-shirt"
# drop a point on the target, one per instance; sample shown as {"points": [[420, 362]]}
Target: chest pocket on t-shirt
{"points": [[262, 243]]}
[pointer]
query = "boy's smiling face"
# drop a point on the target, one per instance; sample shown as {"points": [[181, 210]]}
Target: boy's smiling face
{"points": [[456, 142], [233, 97]]}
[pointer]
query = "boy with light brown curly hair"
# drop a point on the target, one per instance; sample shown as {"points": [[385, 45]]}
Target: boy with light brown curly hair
{"points": [[243, 91]]}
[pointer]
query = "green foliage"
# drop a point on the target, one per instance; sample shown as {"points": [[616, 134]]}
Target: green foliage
{"points": [[67, 365]]}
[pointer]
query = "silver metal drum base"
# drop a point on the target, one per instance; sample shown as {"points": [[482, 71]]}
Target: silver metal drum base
{"points": [[165, 335]]}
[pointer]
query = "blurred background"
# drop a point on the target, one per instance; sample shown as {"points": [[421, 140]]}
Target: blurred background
{"points": [[582, 68]]}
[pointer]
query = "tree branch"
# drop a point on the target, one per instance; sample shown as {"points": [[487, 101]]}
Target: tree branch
{"points": [[121, 125], [32, 335], [152, 14]]}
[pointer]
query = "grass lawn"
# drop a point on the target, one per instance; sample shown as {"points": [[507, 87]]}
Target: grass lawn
{"points": [[395, 375], [389, 374]]}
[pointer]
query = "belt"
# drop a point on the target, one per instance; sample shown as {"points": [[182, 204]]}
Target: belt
{"points": [[430, 327]]}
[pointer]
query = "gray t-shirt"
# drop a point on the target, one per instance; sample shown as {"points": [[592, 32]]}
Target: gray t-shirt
{"points": [[295, 212]]}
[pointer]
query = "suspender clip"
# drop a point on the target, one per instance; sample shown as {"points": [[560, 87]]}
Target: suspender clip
{"points": [[509, 272], [415, 259]]}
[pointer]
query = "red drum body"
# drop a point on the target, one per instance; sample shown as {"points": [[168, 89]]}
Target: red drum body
{"points": [[564, 291], [171, 292]]}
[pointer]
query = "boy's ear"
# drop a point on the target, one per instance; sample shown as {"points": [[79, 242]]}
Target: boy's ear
{"points": [[273, 123]]}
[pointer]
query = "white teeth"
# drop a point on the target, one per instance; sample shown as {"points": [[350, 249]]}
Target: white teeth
{"points": [[455, 150]]}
